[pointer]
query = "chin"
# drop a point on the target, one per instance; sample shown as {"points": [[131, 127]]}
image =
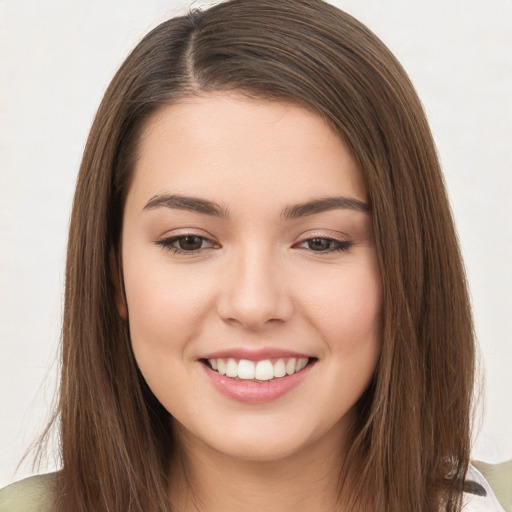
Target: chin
{"points": [[267, 440], [261, 451]]}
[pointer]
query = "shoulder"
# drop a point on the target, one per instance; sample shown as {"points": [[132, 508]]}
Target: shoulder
{"points": [[480, 496], [33, 494], [499, 477]]}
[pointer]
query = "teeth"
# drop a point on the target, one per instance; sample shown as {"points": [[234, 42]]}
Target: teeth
{"points": [[301, 363], [231, 368], [290, 366], [260, 370], [221, 366], [246, 369], [264, 370], [279, 368]]}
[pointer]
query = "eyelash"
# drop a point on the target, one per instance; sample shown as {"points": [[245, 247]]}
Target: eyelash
{"points": [[336, 245], [167, 244]]}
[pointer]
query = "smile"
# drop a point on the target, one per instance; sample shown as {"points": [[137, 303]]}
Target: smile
{"points": [[263, 370], [255, 378]]}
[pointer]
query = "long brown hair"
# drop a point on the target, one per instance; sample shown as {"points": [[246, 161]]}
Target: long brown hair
{"points": [[413, 437]]}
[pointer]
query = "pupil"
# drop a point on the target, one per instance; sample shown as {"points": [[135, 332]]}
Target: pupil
{"points": [[319, 244], [190, 243]]}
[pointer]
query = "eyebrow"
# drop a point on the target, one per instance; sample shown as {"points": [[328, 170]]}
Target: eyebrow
{"points": [[323, 205], [192, 204], [205, 207]]}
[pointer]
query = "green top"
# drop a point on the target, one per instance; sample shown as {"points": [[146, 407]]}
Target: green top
{"points": [[34, 494], [499, 477]]}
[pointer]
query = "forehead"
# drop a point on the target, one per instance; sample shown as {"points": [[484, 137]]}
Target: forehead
{"points": [[229, 144]]}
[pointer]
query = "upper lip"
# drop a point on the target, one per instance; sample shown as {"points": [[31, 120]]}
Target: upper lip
{"points": [[254, 354]]}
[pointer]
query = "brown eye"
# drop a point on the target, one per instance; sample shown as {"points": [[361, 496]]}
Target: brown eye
{"points": [[320, 244], [324, 245], [183, 244], [190, 243]]}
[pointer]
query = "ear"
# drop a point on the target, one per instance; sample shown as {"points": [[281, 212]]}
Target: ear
{"points": [[116, 273]]}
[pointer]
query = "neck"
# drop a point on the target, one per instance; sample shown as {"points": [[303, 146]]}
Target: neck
{"points": [[308, 480]]}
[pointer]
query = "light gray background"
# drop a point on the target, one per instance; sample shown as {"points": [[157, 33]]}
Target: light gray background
{"points": [[57, 57]]}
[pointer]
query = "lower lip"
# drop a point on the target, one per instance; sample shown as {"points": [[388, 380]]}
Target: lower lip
{"points": [[255, 392]]}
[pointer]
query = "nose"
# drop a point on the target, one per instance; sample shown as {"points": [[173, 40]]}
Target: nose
{"points": [[255, 292]]}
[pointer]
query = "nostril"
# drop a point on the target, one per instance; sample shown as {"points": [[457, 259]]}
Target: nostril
{"points": [[254, 302]]}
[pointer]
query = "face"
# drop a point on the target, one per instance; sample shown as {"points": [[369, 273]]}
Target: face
{"points": [[252, 287]]}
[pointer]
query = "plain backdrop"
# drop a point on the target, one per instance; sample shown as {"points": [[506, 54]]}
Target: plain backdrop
{"points": [[56, 59]]}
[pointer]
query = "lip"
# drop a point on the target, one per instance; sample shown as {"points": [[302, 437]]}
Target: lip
{"points": [[254, 355], [252, 392]]}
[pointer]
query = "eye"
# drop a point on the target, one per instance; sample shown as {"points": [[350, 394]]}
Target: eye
{"points": [[185, 243], [323, 244]]}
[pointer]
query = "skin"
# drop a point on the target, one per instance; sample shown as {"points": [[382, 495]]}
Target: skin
{"points": [[256, 282]]}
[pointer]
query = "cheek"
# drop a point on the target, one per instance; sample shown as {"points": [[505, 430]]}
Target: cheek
{"points": [[166, 304], [165, 313], [160, 296], [345, 309], [345, 306], [161, 302]]}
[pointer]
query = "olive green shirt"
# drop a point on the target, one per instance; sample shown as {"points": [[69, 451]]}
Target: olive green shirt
{"points": [[33, 494]]}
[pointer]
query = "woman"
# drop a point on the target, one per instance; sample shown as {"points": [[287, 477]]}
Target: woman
{"points": [[265, 303]]}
